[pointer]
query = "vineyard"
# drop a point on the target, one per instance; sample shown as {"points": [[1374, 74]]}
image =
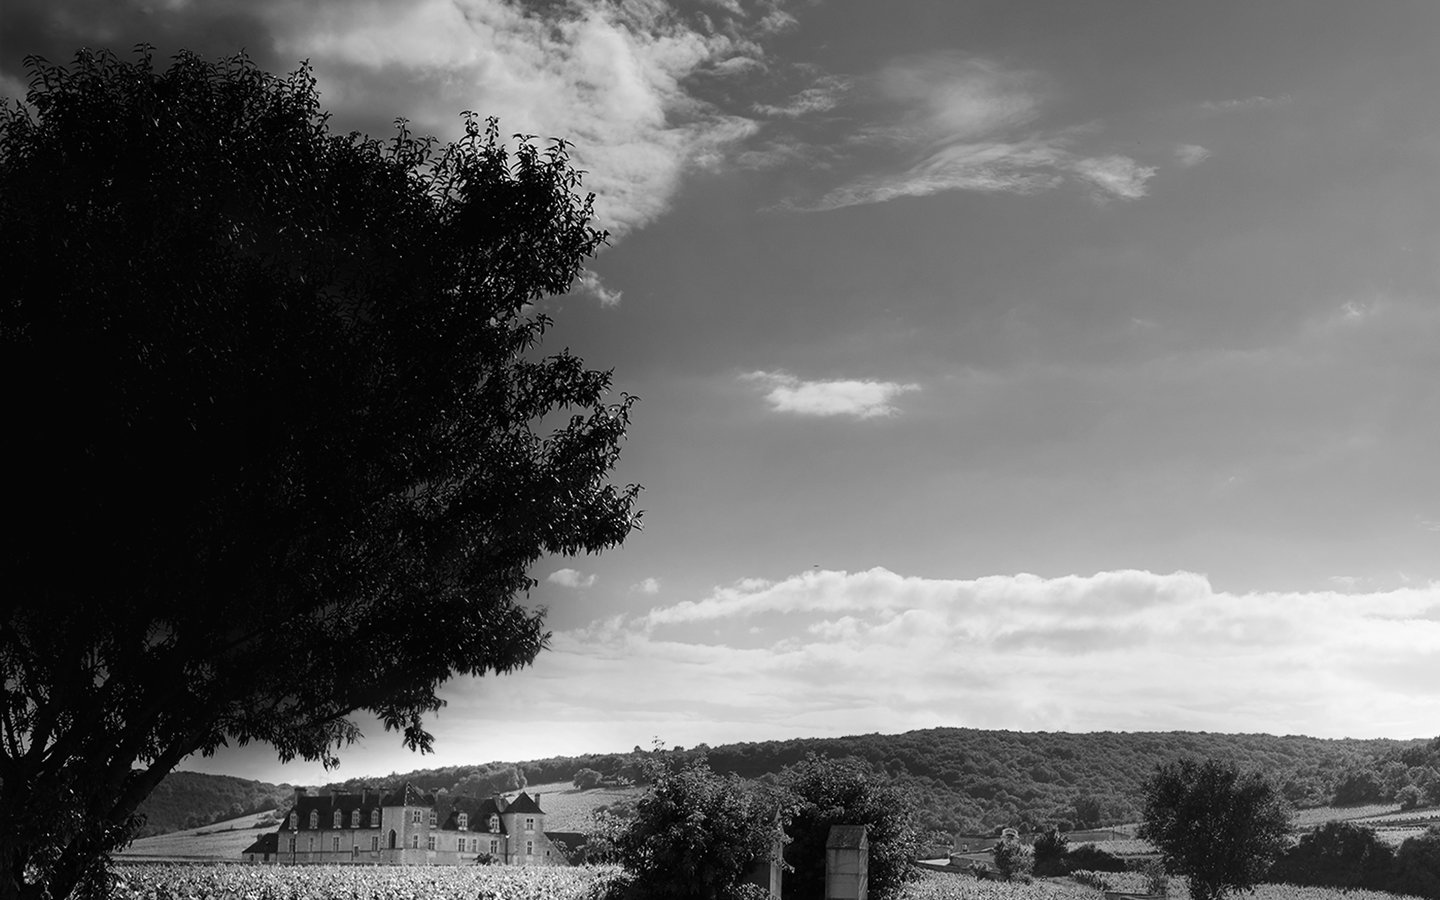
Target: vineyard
{"points": [[187, 882], [190, 882]]}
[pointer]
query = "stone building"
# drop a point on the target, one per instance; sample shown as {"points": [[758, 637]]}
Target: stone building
{"points": [[408, 827]]}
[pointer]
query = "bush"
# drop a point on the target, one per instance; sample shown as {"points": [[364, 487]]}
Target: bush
{"points": [[1050, 853], [1014, 859], [1088, 857], [586, 779], [1409, 796], [1337, 854], [1417, 866], [697, 834], [827, 792]]}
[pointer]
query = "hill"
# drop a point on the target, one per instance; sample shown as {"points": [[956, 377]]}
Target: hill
{"points": [[964, 780]]}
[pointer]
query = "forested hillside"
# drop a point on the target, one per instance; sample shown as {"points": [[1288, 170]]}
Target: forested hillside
{"points": [[963, 779], [189, 800]]}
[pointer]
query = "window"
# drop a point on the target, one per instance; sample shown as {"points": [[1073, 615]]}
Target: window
{"points": [[374, 842], [337, 819], [462, 821], [415, 842], [310, 847], [335, 843], [494, 824], [374, 818], [415, 816], [529, 848], [294, 821], [494, 847], [292, 843], [432, 818], [355, 818], [430, 842], [529, 823], [314, 819]]}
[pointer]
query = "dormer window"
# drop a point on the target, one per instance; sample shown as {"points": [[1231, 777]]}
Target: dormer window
{"points": [[374, 818], [314, 819], [494, 824], [337, 819], [355, 818], [294, 822], [462, 821], [432, 818]]}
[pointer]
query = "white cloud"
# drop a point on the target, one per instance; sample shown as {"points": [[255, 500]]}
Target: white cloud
{"points": [[1004, 652], [570, 578], [1190, 155], [841, 397], [609, 77], [647, 586], [820, 97], [589, 282]]}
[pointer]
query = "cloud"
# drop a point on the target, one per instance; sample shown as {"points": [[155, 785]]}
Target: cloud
{"points": [[861, 399], [1191, 155], [570, 578], [647, 586], [820, 97], [589, 282], [1241, 105], [1115, 176], [1004, 652], [616, 79], [947, 122]]}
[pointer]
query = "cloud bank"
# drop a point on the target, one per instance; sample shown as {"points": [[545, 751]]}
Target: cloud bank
{"points": [[832, 652]]}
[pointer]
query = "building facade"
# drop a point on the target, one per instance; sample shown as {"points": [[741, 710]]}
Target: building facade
{"points": [[408, 827]]}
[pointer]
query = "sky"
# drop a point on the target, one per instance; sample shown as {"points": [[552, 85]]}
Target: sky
{"points": [[1029, 364]]}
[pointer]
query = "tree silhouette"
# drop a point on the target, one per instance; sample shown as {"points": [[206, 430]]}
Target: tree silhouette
{"points": [[282, 443]]}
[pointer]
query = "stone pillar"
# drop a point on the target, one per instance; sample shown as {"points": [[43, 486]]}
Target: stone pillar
{"points": [[847, 863]]}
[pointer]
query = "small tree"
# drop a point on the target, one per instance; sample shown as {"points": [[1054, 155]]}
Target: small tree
{"points": [[1218, 826], [1013, 858], [290, 449], [826, 792], [1417, 866], [1050, 851], [1410, 796], [586, 779], [697, 834]]}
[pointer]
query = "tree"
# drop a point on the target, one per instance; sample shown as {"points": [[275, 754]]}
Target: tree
{"points": [[1013, 858], [1220, 827], [826, 792], [1417, 866], [1337, 854], [697, 834], [289, 446], [1088, 810], [586, 779], [1050, 851]]}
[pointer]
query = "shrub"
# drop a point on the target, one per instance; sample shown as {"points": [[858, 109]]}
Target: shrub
{"points": [[1013, 858], [1050, 852], [1417, 866], [1091, 858], [1337, 854], [586, 779]]}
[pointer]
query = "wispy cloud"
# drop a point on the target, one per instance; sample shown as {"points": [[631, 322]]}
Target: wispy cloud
{"points": [[841, 397], [1243, 104], [946, 122], [589, 282], [1191, 155], [571, 578]]}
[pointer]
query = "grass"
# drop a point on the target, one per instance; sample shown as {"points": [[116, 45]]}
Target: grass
{"points": [[219, 841]]}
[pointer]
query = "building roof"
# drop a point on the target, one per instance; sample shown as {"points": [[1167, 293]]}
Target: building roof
{"points": [[524, 804], [269, 842], [478, 812]]}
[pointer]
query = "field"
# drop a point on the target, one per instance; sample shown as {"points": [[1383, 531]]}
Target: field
{"points": [[192, 882], [222, 841], [1134, 881], [568, 809]]}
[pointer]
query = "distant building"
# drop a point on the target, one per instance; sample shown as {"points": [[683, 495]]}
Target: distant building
{"points": [[408, 827]]}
